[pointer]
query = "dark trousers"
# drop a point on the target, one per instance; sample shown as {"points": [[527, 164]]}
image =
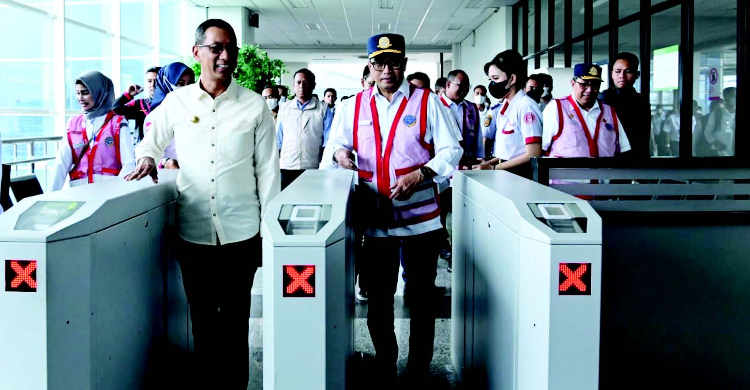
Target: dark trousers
{"points": [[217, 281], [381, 266], [289, 175]]}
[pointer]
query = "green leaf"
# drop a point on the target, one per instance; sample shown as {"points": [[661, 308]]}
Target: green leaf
{"points": [[254, 70]]}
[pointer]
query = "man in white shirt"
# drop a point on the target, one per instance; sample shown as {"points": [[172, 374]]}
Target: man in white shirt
{"points": [[408, 131], [580, 125], [301, 129], [229, 172]]}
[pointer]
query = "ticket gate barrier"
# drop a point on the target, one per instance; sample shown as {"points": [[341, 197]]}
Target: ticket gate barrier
{"points": [[526, 285], [674, 284], [87, 284], [308, 283]]}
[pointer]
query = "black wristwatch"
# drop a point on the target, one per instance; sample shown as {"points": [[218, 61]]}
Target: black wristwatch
{"points": [[427, 172]]}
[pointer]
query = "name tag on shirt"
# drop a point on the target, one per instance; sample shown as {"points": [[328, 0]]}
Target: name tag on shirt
{"points": [[365, 123]]}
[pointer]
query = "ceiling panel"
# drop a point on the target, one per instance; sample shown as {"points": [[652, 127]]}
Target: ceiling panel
{"points": [[428, 24]]}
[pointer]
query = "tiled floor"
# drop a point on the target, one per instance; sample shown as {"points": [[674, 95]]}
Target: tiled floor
{"points": [[442, 369]]}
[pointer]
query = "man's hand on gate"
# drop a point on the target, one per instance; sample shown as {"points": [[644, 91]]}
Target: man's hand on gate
{"points": [[345, 159], [405, 185], [146, 167], [483, 165]]}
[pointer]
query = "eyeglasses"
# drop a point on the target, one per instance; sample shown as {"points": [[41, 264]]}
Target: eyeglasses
{"points": [[594, 86], [461, 86], [393, 64], [218, 48]]}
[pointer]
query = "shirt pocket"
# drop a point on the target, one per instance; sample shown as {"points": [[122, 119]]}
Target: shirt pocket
{"points": [[236, 142]]}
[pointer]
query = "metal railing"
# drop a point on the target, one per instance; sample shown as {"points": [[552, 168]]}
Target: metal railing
{"points": [[31, 156]]}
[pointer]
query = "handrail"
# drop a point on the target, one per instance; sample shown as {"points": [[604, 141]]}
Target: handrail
{"points": [[30, 160], [23, 140]]}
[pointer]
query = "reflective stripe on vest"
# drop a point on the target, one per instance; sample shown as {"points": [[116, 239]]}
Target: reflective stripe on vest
{"points": [[97, 159]]}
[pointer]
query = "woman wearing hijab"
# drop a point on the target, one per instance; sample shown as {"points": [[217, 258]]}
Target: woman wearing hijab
{"points": [[171, 77], [94, 151]]}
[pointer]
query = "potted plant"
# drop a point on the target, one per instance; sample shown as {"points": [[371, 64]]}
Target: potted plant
{"points": [[254, 70]]}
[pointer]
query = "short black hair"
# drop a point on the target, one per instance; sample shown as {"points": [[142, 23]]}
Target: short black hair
{"points": [[308, 75], [153, 69], [200, 32], [286, 90], [510, 62], [455, 72], [273, 88], [366, 72], [440, 82], [631, 58], [419, 76], [482, 87], [729, 92], [330, 90]]}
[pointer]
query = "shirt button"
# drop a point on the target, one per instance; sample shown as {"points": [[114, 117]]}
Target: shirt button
{"points": [[213, 110], [212, 145], [214, 214], [212, 162], [213, 197], [212, 127], [212, 180]]}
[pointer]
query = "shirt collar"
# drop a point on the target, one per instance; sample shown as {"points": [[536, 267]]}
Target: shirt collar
{"points": [[197, 92], [593, 108], [517, 98], [302, 106], [403, 88]]}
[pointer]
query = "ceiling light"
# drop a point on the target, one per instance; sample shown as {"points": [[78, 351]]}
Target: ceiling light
{"points": [[385, 4], [312, 26], [384, 26], [454, 27], [297, 3]]}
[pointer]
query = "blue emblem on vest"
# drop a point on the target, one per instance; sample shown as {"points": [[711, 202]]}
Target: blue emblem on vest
{"points": [[109, 141], [410, 120], [609, 126]]}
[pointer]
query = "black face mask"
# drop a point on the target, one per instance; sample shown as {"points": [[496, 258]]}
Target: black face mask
{"points": [[498, 90], [536, 93]]}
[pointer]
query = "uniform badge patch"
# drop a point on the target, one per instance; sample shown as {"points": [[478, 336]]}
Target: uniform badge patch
{"points": [[529, 118], [571, 116], [109, 141], [410, 120], [487, 121], [609, 126]]}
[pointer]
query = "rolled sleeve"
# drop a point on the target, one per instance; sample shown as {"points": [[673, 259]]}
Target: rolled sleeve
{"points": [[550, 124], [624, 141], [529, 118], [341, 134]]}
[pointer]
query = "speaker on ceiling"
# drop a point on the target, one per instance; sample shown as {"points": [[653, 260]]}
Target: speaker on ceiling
{"points": [[254, 19]]}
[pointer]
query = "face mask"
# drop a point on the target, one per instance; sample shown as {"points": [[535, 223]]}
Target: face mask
{"points": [[272, 103], [283, 99], [535, 93], [498, 90], [479, 99]]}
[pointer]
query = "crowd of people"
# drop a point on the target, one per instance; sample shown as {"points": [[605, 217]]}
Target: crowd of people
{"points": [[236, 149]]}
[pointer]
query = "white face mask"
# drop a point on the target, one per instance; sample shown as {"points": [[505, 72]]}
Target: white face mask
{"points": [[283, 99], [479, 99], [272, 103], [546, 92]]}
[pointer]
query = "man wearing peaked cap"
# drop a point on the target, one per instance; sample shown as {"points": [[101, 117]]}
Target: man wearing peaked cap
{"points": [[580, 125], [406, 143]]}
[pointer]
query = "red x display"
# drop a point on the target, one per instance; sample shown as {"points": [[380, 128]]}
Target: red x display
{"points": [[20, 275], [575, 279], [299, 281]]}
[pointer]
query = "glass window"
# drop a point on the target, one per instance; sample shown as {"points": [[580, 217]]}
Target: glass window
{"points": [[532, 20], [26, 74], [135, 59], [559, 20], [600, 56], [559, 57], [544, 62], [46, 5], [714, 90], [170, 27], [26, 126], [544, 25], [577, 55], [578, 19], [665, 81], [627, 8], [135, 19], [93, 13], [601, 13], [85, 49], [628, 39]]}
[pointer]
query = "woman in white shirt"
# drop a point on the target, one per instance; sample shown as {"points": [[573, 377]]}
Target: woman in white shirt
{"points": [[93, 149]]}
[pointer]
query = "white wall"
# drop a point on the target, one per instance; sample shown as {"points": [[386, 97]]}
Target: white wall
{"points": [[239, 18], [492, 37]]}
